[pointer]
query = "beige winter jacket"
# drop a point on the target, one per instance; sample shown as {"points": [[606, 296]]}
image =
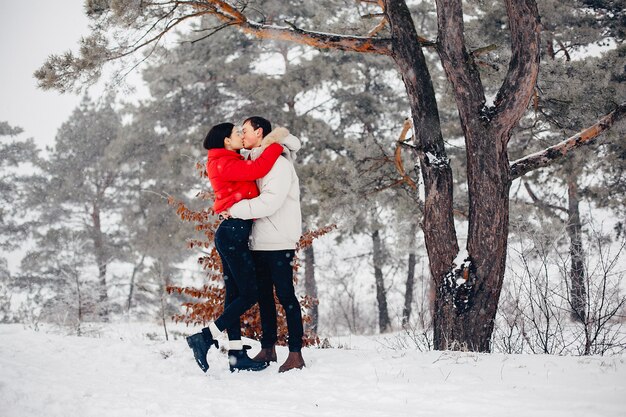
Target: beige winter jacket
{"points": [[278, 220]]}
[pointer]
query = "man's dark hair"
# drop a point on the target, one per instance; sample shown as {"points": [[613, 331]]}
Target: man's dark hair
{"points": [[259, 122], [215, 138]]}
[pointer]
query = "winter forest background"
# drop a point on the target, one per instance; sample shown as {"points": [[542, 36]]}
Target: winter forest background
{"points": [[98, 242]]}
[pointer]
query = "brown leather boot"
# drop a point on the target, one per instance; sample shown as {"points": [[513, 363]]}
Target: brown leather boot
{"points": [[266, 355], [294, 361]]}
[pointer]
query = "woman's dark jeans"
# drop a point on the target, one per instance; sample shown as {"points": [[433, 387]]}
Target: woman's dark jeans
{"points": [[231, 242]]}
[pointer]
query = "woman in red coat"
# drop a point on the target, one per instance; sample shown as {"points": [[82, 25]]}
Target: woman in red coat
{"points": [[233, 179]]}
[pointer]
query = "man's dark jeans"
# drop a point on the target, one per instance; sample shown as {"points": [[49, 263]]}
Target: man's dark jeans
{"points": [[231, 242], [274, 269]]}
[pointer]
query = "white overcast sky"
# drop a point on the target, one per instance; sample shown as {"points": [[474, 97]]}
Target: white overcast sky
{"points": [[29, 32]]}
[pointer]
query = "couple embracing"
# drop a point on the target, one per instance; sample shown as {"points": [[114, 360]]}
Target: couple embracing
{"points": [[258, 196]]}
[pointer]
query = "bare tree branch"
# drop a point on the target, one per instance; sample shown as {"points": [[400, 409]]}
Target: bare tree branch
{"points": [[170, 25], [549, 155], [547, 208]]}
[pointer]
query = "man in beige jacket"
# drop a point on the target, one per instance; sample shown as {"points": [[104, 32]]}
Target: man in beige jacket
{"points": [[275, 232]]}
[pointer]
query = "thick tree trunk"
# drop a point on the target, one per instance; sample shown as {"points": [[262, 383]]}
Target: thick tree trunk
{"points": [[578, 293], [410, 279], [101, 260], [466, 303], [438, 223], [384, 323], [310, 286], [467, 298]]}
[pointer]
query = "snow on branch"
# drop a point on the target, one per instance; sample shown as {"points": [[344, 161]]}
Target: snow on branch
{"points": [[549, 155], [318, 39]]}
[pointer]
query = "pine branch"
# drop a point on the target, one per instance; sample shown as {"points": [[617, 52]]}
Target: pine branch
{"points": [[553, 153]]}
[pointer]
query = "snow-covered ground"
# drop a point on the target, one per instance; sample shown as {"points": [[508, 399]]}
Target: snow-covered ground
{"points": [[124, 373]]}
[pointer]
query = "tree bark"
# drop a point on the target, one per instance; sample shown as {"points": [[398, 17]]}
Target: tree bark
{"points": [[384, 323], [310, 286], [578, 292], [410, 279]]}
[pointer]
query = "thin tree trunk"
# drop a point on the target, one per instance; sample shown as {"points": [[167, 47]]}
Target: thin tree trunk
{"points": [[101, 260], [136, 269], [384, 323], [163, 318], [410, 279], [80, 304], [310, 286], [164, 279], [574, 230]]}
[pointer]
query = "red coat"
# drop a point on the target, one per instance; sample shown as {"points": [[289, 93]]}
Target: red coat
{"points": [[233, 177]]}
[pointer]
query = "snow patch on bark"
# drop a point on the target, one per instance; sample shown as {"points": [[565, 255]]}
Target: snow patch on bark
{"points": [[459, 281], [433, 160]]}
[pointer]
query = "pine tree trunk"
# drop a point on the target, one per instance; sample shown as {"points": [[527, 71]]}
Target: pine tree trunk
{"points": [[465, 314], [577, 273], [101, 260], [131, 290], [310, 286], [410, 279], [384, 323], [438, 224], [164, 281], [80, 304]]}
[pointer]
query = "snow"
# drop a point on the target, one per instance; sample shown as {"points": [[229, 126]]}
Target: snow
{"points": [[433, 160], [461, 261], [122, 372]]}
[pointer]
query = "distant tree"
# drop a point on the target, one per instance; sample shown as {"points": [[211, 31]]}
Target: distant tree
{"points": [[79, 188], [15, 155], [157, 163], [468, 290], [57, 269]]}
